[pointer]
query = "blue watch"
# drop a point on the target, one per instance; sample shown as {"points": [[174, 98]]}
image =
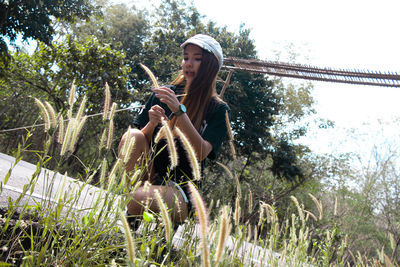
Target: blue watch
{"points": [[181, 110]]}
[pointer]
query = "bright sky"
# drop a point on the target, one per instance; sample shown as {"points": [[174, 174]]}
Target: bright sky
{"points": [[354, 34]]}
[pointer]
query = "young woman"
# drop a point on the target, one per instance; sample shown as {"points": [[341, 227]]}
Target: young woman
{"points": [[191, 104]]}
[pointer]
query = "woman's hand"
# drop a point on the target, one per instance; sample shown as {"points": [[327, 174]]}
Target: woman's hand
{"points": [[156, 113], [168, 97]]}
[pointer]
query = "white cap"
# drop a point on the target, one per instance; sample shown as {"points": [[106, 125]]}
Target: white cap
{"points": [[207, 43]]}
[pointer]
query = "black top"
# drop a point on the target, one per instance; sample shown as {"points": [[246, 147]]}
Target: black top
{"points": [[213, 129]]}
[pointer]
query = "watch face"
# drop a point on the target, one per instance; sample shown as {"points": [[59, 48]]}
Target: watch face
{"points": [[182, 108]]}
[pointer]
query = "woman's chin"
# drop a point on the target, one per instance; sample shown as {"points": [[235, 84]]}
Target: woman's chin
{"points": [[188, 80]]}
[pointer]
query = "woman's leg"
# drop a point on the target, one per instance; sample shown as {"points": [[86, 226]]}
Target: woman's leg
{"points": [[143, 197], [141, 147], [146, 196]]}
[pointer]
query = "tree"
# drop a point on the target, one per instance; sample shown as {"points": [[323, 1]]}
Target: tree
{"points": [[34, 20], [48, 75], [361, 197], [124, 29]]}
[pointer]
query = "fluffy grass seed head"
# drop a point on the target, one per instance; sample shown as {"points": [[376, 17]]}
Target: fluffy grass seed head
{"points": [[173, 155], [249, 233], [237, 211], [112, 111], [230, 135], [151, 75], [103, 139], [276, 228], [255, 234], [299, 209], [107, 101], [129, 239], [223, 232], [159, 135], [250, 200], [388, 261], [128, 151], [110, 134], [46, 115], [318, 204], [52, 114], [71, 99], [60, 136], [127, 138], [261, 217], [114, 170], [81, 108], [165, 216], [134, 177], [233, 150], [68, 136], [177, 205], [192, 155], [309, 213], [270, 212], [306, 233], [238, 188], [352, 256], [76, 132], [226, 169], [203, 221]]}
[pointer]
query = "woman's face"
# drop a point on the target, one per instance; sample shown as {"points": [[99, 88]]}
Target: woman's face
{"points": [[192, 57]]}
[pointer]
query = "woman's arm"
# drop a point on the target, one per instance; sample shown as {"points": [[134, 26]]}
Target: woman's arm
{"points": [[156, 113], [201, 146]]}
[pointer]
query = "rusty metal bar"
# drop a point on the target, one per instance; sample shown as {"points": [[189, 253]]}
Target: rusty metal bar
{"points": [[365, 77], [226, 83]]}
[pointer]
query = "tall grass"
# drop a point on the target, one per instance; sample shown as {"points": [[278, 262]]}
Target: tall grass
{"points": [[57, 230]]}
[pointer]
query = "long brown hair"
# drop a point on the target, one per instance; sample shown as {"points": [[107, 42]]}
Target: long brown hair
{"points": [[201, 90]]}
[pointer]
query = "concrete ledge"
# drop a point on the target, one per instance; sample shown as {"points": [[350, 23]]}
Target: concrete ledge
{"points": [[48, 186]]}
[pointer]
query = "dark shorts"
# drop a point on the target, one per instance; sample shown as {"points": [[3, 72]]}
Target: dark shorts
{"points": [[180, 176]]}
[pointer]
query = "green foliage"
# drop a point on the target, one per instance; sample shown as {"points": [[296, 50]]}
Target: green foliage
{"points": [[34, 19], [285, 162], [124, 29], [367, 193], [49, 73]]}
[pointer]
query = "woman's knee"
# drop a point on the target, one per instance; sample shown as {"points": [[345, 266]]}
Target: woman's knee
{"points": [[141, 143], [138, 203], [176, 203], [146, 198]]}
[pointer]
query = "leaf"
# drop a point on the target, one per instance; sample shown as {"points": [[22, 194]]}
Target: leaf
{"points": [[7, 176], [148, 217], [85, 220]]}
